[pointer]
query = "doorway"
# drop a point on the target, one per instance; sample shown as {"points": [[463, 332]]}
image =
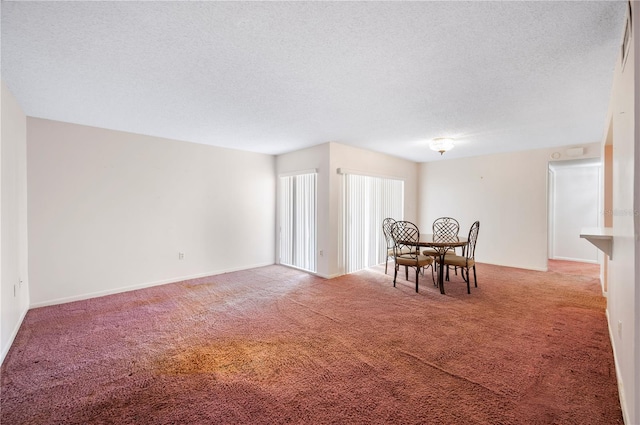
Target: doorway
{"points": [[575, 202]]}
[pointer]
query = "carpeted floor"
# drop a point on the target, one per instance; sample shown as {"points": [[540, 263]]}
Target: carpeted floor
{"points": [[574, 267], [273, 345]]}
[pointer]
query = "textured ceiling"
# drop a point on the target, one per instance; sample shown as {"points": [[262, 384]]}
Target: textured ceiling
{"points": [[274, 77]]}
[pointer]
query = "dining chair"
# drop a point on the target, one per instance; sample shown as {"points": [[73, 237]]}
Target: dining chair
{"points": [[443, 227], [467, 260], [386, 230], [406, 236]]}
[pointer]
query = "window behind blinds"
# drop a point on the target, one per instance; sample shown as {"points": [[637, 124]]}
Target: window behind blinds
{"points": [[368, 201], [298, 221]]}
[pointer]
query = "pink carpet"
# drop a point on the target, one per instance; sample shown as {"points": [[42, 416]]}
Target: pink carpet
{"points": [[276, 346]]}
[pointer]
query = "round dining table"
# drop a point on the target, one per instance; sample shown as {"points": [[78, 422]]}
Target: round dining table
{"points": [[441, 244]]}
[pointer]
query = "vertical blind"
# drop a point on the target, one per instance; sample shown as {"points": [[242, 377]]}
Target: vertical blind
{"points": [[368, 201], [298, 221]]}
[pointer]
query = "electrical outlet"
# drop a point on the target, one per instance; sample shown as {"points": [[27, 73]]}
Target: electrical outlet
{"points": [[321, 253], [181, 256]]}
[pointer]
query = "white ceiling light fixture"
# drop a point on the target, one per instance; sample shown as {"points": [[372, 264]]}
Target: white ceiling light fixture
{"points": [[441, 144]]}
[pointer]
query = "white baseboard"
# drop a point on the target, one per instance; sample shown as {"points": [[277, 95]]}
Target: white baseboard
{"points": [[516, 266], [322, 275], [328, 276], [14, 333], [577, 260], [623, 403], [141, 286]]}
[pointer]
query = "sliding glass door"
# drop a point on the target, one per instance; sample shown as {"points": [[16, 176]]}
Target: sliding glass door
{"points": [[368, 201], [297, 219]]}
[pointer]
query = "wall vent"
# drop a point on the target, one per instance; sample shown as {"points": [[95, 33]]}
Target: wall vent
{"points": [[574, 152]]}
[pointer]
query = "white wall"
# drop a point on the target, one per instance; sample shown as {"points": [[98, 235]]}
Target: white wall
{"points": [[327, 158], [14, 290], [574, 203], [506, 192], [623, 298], [110, 211]]}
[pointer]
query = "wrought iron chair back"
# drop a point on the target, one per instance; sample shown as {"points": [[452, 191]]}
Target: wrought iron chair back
{"points": [[386, 231], [406, 237], [446, 226], [469, 250]]}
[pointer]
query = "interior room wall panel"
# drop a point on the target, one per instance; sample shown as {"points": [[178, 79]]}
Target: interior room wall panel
{"points": [[111, 211], [506, 192], [327, 158], [313, 158], [623, 295], [14, 290], [371, 163]]}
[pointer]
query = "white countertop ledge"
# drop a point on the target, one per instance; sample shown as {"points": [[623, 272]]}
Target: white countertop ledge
{"points": [[601, 237]]}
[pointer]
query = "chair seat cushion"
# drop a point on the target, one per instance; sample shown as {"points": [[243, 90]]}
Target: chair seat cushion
{"points": [[420, 261], [457, 260]]}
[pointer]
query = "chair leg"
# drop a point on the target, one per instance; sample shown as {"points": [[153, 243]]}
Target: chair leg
{"points": [[417, 273], [395, 274], [406, 273], [475, 280], [468, 286]]}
